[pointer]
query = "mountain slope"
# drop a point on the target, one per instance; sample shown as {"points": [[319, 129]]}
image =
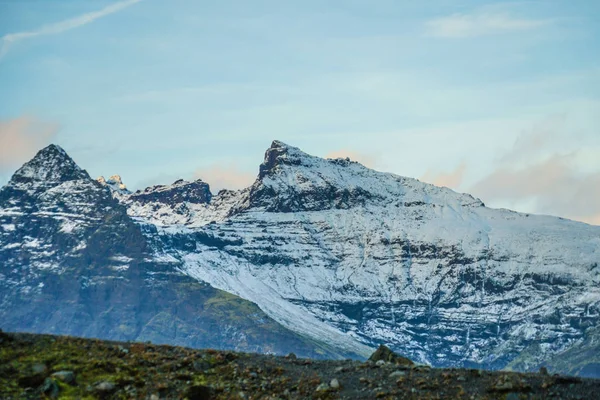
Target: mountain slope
{"points": [[73, 262], [329, 249], [356, 257]]}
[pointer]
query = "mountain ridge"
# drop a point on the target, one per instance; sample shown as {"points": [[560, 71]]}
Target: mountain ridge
{"points": [[353, 257]]}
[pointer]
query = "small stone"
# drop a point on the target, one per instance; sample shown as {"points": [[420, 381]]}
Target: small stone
{"points": [[323, 387], [512, 396], [397, 374], [384, 353], [380, 363], [503, 387], [461, 379], [50, 388], [339, 370], [335, 384], [39, 369], [105, 387], [253, 375], [291, 356], [154, 397], [544, 371], [65, 376]]}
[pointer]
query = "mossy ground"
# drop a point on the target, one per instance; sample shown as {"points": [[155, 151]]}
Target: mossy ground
{"points": [[147, 371]]}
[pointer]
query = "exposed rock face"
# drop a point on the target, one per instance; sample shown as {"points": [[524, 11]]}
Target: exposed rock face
{"points": [[181, 191], [73, 262]]}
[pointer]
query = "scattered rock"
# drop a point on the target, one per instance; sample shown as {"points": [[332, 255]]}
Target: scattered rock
{"points": [[503, 386], [65, 376], [35, 377], [323, 387], [39, 369], [335, 384], [397, 374], [384, 353], [105, 387], [50, 388]]}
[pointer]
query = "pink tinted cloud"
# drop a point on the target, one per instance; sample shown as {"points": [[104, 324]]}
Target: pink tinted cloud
{"points": [[21, 138], [452, 179], [554, 184], [225, 177]]}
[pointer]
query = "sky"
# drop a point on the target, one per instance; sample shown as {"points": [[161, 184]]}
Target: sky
{"points": [[497, 99]]}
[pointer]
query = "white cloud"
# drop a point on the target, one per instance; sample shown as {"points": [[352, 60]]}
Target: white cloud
{"points": [[10, 39], [481, 23]]}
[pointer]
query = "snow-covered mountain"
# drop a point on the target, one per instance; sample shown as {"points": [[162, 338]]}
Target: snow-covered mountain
{"points": [[73, 262], [356, 257], [353, 257]]}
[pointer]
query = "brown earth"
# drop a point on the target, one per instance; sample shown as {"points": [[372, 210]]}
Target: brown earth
{"points": [[46, 367]]}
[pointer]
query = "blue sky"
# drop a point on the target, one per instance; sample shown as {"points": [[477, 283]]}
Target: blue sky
{"points": [[500, 99]]}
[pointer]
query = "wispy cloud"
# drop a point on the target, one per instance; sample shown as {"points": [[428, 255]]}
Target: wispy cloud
{"points": [[537, 171], [481, 23], [21, 137], [554, 185], [10, 39]]}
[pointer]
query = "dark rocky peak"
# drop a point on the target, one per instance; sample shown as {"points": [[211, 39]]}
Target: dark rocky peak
{"points": [[196, 192], [50, 167], [279, 154]]}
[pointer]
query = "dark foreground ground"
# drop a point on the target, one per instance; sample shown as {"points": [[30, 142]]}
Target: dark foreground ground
{"points": [[43, 366]]}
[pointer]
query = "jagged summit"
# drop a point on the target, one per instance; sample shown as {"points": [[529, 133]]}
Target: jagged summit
{"points": [[114, 183], [291, 180], [196, 192], [50, 167]]}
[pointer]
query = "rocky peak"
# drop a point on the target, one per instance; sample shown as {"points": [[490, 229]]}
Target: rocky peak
{"points": [[291, 180], [196, 192], [114, 183], [50, 167], [279, 153]]}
